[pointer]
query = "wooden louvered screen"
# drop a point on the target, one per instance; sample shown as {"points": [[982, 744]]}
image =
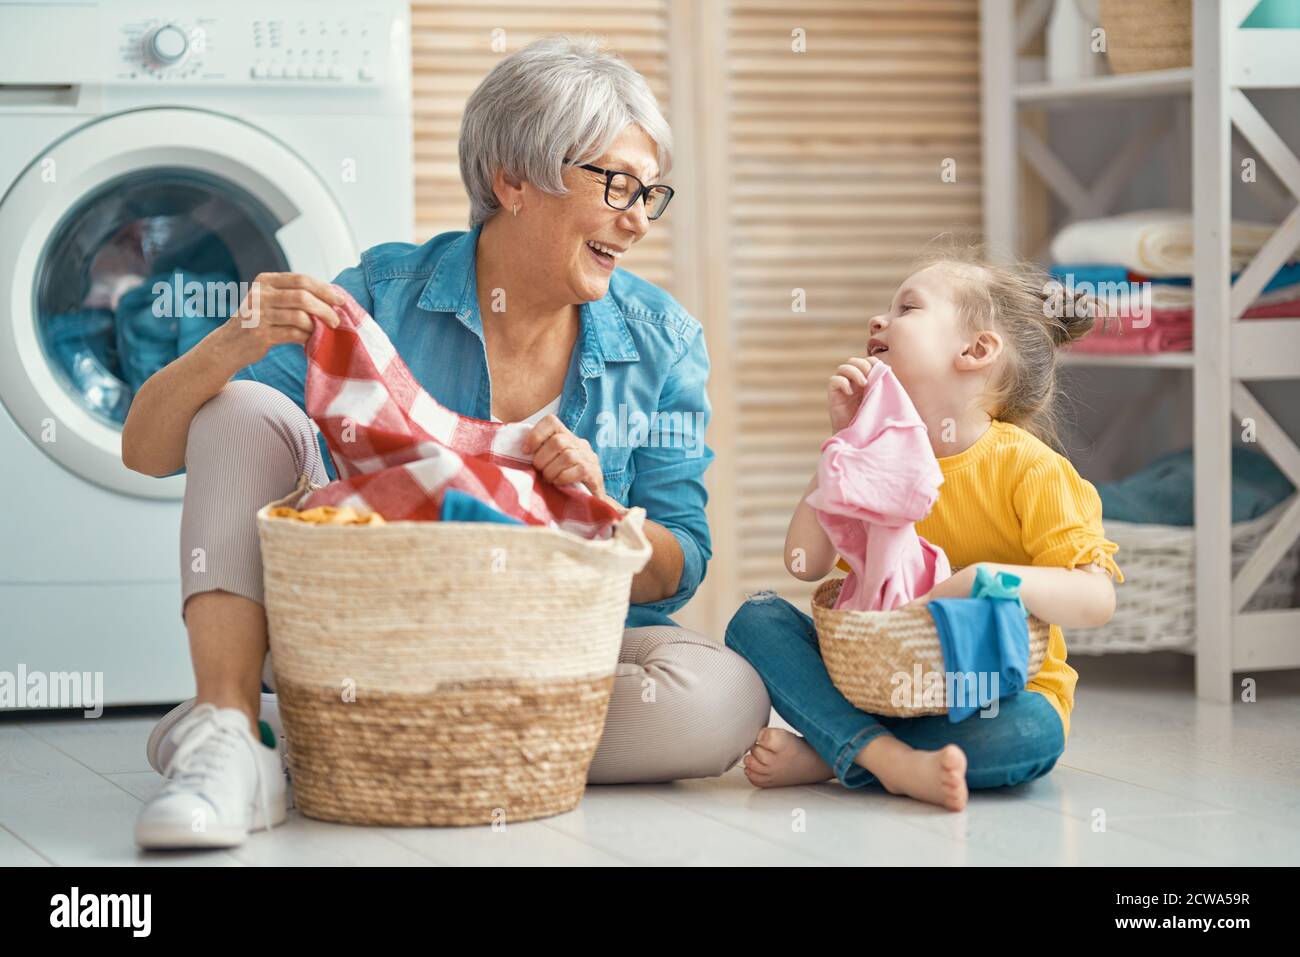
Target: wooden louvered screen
{"points": [[835, 160], [452, 50]]}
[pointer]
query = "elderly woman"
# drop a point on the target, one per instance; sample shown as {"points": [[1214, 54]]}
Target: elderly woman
{"points": [[524, 318]]}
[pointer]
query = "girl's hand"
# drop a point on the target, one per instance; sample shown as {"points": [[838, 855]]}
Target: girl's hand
{"points": [[563, 458], [845, 390], [954, 586]]}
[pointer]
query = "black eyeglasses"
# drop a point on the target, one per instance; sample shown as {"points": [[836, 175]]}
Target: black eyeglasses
{"points": [[622, 190]]}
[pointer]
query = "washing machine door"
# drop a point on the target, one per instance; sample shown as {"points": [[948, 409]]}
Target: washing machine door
{"points": [[124, 244]]}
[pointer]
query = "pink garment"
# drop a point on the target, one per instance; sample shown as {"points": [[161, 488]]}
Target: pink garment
{"points": [[876, 478]]}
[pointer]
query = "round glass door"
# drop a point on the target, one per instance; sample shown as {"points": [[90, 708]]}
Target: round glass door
{"points": [[122, 244], [138, 272]]}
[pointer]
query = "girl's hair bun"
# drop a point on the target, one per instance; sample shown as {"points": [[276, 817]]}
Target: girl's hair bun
{"points": [[1069, 314]]}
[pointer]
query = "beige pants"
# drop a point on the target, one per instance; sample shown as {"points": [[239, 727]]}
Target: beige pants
{"points": [[250, 444]]}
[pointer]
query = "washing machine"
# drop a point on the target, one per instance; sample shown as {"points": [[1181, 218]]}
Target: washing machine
{"points": [[150, 149]]}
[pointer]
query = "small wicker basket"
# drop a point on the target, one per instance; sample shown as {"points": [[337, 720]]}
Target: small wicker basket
{"points": [[1155, 608], [443, 673], [865, 650], [1147, 35]]}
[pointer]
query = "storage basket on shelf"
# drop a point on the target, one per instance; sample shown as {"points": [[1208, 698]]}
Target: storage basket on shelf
{"points": [[1155, 608], [434, 673], [1151, 35], [864, 650]]}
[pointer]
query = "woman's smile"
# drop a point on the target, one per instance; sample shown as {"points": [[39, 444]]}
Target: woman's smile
{"points": [[606, 256]]}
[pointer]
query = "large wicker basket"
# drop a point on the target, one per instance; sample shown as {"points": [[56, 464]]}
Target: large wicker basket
{"points": [[434, 673], [1147, 35], [865, 650], [1155, 608]]}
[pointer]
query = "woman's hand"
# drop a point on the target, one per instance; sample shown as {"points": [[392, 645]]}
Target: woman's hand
{"points": [[845, 390], [563, 458], [280, 307]]}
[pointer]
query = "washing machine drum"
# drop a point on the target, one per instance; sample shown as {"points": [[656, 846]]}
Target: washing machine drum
{"points": [[139, 272]]}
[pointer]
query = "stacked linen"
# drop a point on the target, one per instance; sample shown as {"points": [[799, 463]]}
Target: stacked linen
{"points": [[1154, 242], [1139, 267]]}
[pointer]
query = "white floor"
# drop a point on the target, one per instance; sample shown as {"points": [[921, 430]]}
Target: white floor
{"points": [[1177, 781]]}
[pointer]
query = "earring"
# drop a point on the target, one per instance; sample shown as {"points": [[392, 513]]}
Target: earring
{"points": [[515, 210]]}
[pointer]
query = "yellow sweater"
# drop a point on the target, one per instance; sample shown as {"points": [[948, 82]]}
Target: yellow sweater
{"points": [[1010, 499]]}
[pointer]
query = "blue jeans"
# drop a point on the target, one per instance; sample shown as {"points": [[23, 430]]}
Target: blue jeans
{"points": [[1020, 743]]}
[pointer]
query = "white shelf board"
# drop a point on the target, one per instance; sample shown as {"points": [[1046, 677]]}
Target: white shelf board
{"points": [[1264, 59], [1144, 360], [1120, 86]]}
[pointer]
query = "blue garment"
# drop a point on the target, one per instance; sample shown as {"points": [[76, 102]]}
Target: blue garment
{"points": [[458, 506], [166, 316], [1162, 492], [1097, 273], [638, 353], [984, 640], [1020, 743], [1001, 585], [83, 345]]}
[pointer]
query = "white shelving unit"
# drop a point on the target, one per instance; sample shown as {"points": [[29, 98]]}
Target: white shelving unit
{"points": [[1227, 63]]}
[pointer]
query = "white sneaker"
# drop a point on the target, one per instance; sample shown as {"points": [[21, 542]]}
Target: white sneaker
{"points": [[222, 783], [161, 745]]}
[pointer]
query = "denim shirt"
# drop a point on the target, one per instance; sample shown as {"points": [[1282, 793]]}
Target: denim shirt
{"points": [[638, 353]]}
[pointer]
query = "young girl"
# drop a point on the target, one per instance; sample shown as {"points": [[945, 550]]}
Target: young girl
{"points": [[975, 348]]}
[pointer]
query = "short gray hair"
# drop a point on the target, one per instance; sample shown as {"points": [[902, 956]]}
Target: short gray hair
{"points": [[561, 97]]}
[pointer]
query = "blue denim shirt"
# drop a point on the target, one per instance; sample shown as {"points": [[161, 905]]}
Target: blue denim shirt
{"points": [[638, 353]]}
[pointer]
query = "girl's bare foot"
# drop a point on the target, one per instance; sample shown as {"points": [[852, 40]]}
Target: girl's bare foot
{"points": [[937, 777], [780, 759]]}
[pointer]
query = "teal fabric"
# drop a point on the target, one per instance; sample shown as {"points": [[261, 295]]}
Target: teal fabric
{"points": [[458, 506], [1162, 493], [983, 640], [1275, 14], [84, 345], [1000, 585], [1097, 274], [150, 335]]}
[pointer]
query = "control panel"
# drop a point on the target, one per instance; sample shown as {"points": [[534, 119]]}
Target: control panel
{"points": [[317, 43]]}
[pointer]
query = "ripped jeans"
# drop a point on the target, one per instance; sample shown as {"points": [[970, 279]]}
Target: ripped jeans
{"points": [[1020, 743]]}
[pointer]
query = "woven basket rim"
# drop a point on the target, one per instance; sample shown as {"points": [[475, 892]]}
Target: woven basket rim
{"points": [[628, 543], [828, 590]]}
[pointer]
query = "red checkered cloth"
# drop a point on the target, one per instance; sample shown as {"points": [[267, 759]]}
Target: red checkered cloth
{"points": [[396, 450]]}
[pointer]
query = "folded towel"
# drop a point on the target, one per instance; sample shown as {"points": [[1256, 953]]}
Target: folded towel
{"points": [[1163, 330], [1175, 338], [1155, 242], [1171, 292], [1161, 493]]}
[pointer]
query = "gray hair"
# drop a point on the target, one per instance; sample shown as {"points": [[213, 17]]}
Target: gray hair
{"points": [[560, 97]]}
